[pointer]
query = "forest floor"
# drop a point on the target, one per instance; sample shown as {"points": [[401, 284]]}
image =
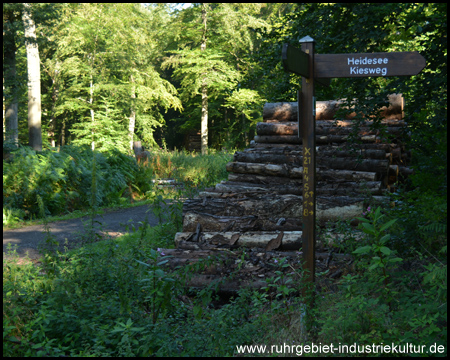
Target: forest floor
{"points": [[70, 233]]}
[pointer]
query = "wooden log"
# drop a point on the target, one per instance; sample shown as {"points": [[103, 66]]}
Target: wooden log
{"points": [[285, 170], [287, 111], [215, 241], [345, 175], [291, 239], [405, 171], [263, 179], [363, 123], [280, 139], [343, 123], [291, 170], [287, 128], [349, 188], [281, 147], [322, 174], [249, 188], [326, 110], [358, 150], [274, 206], [269, 222], [370, 165], [320, 139], [322, 128], [296, 157], [322, 188]]}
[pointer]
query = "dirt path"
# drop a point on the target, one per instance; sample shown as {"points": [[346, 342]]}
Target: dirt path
{"points": [[114, 223]]}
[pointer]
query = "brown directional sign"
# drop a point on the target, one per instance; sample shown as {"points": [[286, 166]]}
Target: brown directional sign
{"points": [[368, 64], [315, 67], [295, 60]]}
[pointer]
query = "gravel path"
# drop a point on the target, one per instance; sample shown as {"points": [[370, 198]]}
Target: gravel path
{"points": [[113, 223]]}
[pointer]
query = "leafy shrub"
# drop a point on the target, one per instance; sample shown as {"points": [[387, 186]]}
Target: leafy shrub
{"points": [[388, 300], [64, 179]]}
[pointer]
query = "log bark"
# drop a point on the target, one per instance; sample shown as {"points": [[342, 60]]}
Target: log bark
{"points": [[296, 157], [322, 175], [280, 147], [320, 139], [269, 222], [323, 128], [255, 153], [284, 170], [291, 239], [263, 179], [326, 110], [275, 206], [370, 165], [322, 188], [296, 172], [249, 188], [349, 188]]}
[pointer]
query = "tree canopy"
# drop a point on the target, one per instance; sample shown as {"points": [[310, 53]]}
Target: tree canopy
{"points": [[114, 73]]}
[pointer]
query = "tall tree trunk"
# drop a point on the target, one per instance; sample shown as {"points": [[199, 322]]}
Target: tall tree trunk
{"points": [[10, 81], [34, 81], [132, 122], [204, 119], [51, 130]]}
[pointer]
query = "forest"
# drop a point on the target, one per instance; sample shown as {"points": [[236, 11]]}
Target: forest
{"points": [[84, 84]]}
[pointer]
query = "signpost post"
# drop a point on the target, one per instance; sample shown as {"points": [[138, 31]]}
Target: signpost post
{"points": [[318, 67]]}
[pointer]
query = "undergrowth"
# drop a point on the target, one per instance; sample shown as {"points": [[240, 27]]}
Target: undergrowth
{"points": [[63, 179], [115, 297]]}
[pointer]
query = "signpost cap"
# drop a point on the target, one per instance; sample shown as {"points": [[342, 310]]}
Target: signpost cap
{"points": [[306, 39]]}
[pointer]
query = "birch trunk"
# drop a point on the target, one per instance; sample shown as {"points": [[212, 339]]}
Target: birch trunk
{"points": [[204, 118], [132, 122]]}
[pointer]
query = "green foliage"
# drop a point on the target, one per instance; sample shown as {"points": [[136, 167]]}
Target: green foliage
{"points": [[422, 219], [388, 299], [115, 298], [63, 180], [193, 169]]}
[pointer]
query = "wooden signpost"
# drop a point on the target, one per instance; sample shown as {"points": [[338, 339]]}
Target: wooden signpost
{"points": [[311, 68]]}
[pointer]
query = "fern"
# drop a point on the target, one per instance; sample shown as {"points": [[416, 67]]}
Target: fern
{"points": [[434, 229]]}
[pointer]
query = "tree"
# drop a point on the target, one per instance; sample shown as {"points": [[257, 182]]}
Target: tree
{"points": [[10, 100], [380, 27], [111, 84], [34, 80], [210, 75], [204, 121]]}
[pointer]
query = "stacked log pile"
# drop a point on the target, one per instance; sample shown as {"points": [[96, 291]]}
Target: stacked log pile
{"points": [[260, 206]]}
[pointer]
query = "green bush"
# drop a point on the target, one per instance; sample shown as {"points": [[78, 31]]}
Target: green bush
{"points": [[388, 299], [63, 179]]}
